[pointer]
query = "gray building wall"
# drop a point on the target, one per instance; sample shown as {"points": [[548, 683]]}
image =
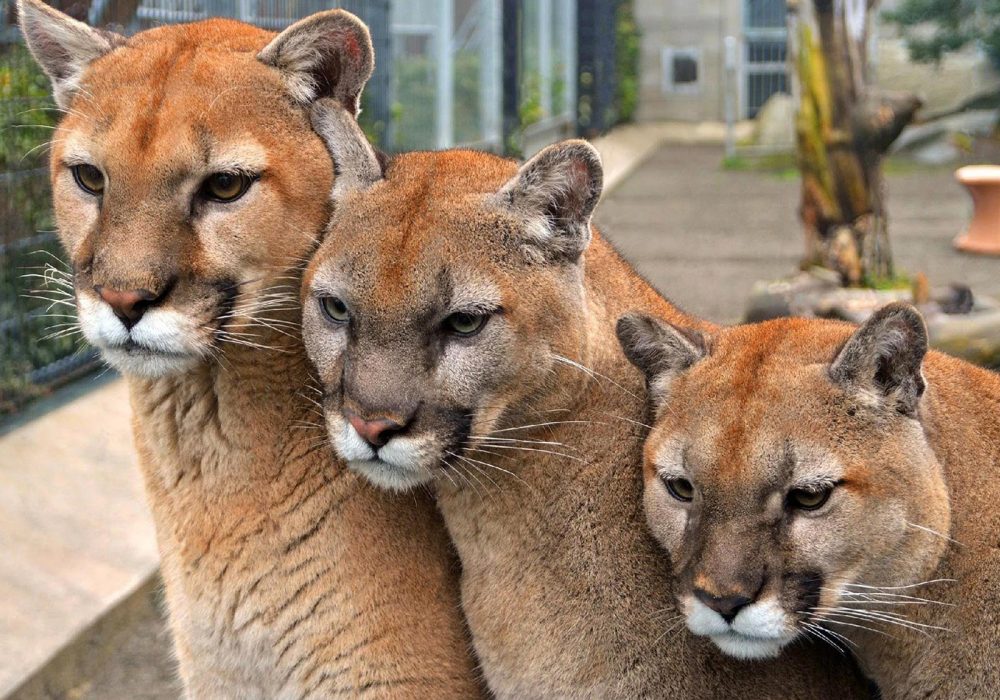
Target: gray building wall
{"points": [[702, 25], [683, 24]]}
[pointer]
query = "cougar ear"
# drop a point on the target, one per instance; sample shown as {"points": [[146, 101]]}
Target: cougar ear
{"points": [[556, 192], [882, 361], [62, 46], [356, 166], [328, 54], [660, 350]]}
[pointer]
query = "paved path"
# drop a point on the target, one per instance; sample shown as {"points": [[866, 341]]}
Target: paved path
{"points": [[704, 235]]}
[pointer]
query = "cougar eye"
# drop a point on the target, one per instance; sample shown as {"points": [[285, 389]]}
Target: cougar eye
{"points": [[335, 309], [804, 499], [89, 178], [226, 187], [680, 488], [465, 324]]}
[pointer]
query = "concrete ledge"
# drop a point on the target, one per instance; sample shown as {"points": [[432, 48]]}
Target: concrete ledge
{"points": [[111, 658], [625, 148], [75, 531]]}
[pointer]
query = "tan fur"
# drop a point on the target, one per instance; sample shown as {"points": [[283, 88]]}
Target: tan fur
{"points": [[918, 500], [533, 458], [286, 575]]}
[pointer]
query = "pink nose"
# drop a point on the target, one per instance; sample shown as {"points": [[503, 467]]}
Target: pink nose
{"points": [[375, 432], [128, 305]]}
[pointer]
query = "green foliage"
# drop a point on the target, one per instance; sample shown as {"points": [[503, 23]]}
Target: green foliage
{"points": [[413, 112], [27, 114], [897, 281], [531, 100], [27, 117], [627, 46], [781, 165], [374, 129], [933, 28]]}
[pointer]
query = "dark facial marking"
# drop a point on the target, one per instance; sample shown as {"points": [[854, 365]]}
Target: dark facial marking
{"points": [[807, 585]]}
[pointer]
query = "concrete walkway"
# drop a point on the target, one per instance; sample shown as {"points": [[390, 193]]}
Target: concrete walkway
{"points": [[704, 235]]}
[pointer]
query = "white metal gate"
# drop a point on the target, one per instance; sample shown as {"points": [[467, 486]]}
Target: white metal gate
{"points": [[765, 53]]}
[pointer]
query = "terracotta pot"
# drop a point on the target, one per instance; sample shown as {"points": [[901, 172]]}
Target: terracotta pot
{"points": [[983, 234]]}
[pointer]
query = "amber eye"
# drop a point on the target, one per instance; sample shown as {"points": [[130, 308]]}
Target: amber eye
{"points": [[805, 499], [335, 309], [465, 324], [680, 488], [226, 187], [89, 178]]}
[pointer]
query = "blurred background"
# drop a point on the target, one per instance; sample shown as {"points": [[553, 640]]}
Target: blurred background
{"points": [[762, 158]]}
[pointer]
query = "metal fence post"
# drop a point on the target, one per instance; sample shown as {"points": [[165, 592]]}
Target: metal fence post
{"points": [[379, 100], [730, 45], [490, 75], [545, 57], [567, 20], [445, 75], [597, 84], [513, 14]]}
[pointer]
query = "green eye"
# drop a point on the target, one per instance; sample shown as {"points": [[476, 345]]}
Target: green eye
{"points": [[226, 187], [335, 309], [89, 178], [680, 488], [808, 500], [465, 324]]}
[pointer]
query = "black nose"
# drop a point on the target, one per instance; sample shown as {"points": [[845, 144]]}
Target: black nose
{"points": [[728, 605], [130, 304]]}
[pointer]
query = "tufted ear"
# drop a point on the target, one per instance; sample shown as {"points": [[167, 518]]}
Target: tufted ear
{"points": [[356, 166], [556, 192], [62, 46], [660, 350], [328, 54], [882, 361]]}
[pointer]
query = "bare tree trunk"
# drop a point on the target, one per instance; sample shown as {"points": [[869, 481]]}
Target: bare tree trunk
{"points": [[843, 130]]}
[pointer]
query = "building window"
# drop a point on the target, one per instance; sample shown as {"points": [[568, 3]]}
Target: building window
{"points": [[681, 69]]}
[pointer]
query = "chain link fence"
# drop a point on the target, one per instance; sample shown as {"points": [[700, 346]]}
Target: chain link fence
{"points": [[503, 75]]}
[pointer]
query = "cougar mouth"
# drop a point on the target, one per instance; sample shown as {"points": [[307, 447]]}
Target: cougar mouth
{"points": [[759, 631], [420, 455], [742, 646], [390, 476], [136, 358]]}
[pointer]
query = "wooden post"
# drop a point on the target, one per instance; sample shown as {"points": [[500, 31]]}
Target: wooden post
{"points": [[843, 128]]}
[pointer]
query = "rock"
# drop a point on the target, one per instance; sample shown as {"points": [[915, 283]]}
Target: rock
{"points": [[789, 297], [939, 152], [974, 122], [974, 337], [932, 142], [856, 305], [774, 126], [958, 323], [958, 300]]}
